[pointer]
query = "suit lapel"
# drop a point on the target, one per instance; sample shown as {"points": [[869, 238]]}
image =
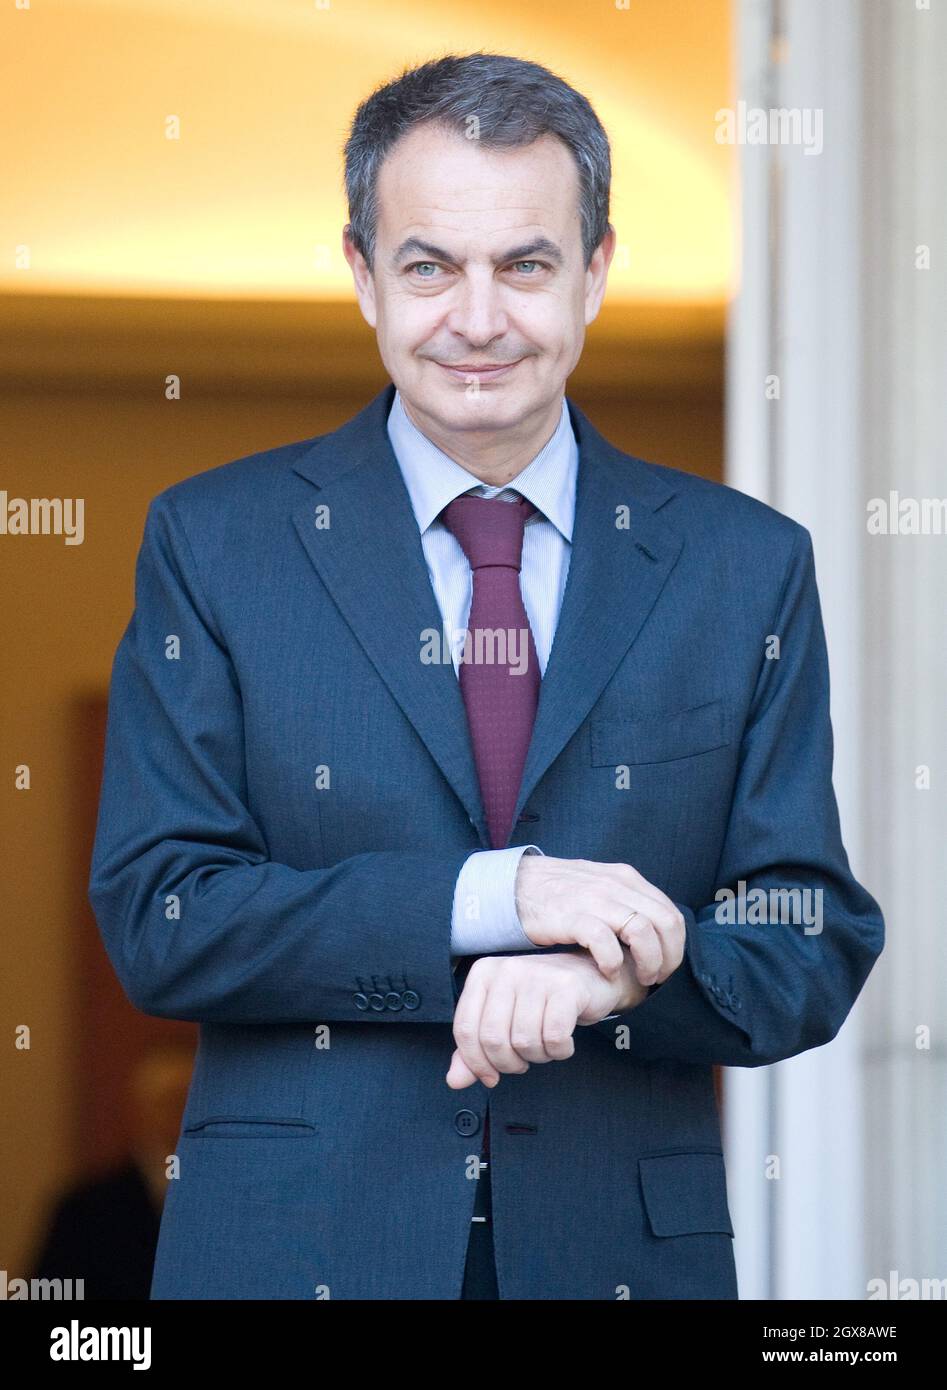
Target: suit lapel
{"points": [[616, 573], [371, 561]]}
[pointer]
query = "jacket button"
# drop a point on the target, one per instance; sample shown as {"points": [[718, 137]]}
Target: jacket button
{"points": [[466, 1122], [393, 1000], [361, 1001], [411, 999], [376, 1002]]}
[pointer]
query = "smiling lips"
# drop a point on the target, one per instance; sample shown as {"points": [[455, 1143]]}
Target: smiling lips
{"points": [[485, 373]]}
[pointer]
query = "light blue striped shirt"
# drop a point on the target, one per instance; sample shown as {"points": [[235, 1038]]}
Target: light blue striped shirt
{"points": [[484, 916]]}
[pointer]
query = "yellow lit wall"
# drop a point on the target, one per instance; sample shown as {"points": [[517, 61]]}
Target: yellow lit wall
{"points": [[248, 201]]}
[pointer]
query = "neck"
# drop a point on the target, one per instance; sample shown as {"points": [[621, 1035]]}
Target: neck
{"points": [[494, 457]]}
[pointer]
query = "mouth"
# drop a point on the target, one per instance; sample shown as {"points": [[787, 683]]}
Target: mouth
{"points": [[478, 373]]}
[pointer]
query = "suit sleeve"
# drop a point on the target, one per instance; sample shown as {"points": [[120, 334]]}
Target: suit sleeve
{"points": [[198, 921], [749, 995]]}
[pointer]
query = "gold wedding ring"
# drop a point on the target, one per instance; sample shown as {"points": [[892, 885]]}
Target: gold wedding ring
{"points": [[628, 919]]}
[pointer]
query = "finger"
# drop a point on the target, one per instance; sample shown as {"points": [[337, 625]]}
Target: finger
{"points": [[613, 908], [669, 933], [559, 1023], [661, 936], [496, 1021], [459, 1074], [665, 917], [652, 931], [598, 937], [641, 937], [526, 1032], [673, 938], [467, 1015]]}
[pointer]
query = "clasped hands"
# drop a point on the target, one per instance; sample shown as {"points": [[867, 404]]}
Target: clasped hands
{"points": [[515, 1010]]}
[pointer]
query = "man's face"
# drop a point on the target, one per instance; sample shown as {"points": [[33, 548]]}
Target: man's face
{"points": [[479, 294]]}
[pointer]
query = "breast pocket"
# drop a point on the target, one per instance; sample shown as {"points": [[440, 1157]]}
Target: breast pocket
{"points": [[666, 789], [659, 738]]}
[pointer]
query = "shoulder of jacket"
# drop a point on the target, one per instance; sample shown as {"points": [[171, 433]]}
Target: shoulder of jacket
{"points": [[234, 484], [715, 514]]}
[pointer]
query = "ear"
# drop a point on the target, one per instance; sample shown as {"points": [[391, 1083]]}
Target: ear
{"points": [[362, 276], [596, 277]]}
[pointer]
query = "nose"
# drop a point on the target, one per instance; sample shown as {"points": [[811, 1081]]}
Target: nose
{"points": [[477, 313]]}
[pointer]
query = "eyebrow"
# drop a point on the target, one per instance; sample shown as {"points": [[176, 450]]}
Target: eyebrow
{"points": [[541, 246]]}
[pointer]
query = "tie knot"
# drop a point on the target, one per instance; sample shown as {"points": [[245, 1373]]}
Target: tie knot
{"points": [[489, 530]]}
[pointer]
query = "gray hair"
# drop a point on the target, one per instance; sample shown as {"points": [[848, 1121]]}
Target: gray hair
{"points": [[505, 101]]}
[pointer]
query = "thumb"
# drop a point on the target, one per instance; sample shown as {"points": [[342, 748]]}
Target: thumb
{"points": [[459, 1074]]}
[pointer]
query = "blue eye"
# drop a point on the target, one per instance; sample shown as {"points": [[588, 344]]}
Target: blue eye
{"points": [[516, 263], [420, 264]]}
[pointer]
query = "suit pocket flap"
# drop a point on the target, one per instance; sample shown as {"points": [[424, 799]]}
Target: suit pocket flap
{"points": [[685, 1193], [658, 738]]}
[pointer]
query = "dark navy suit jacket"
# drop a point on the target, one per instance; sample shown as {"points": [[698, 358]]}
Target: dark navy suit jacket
{"points": [[275, 647]]}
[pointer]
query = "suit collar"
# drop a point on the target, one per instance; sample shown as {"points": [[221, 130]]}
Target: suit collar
{"points": [[361, 535], [359, 439], [434, 479]]}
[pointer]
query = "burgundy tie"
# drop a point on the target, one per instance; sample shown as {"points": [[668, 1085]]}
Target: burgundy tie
{"points": [[499, 669]]}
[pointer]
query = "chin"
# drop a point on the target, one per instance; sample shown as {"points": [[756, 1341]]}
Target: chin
{"points": [[507, 403], [483, 414]]}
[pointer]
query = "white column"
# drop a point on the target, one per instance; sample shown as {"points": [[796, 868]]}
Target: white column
{"points": [[906, 593], [831, 305]]}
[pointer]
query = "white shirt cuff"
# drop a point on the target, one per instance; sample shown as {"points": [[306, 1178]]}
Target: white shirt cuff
{"points": [[484, 918]]}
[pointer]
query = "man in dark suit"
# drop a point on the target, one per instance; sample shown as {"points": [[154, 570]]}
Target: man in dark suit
{"points": [[457, 746]]}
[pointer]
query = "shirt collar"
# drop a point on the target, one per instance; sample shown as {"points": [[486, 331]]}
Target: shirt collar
{"points": [[433, 478]]}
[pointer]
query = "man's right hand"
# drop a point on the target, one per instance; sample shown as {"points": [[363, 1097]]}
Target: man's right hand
{"points": [[579, 902], [515, 1010]]}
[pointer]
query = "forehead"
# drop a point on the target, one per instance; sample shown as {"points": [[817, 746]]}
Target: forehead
{"points": [[437, 177]]}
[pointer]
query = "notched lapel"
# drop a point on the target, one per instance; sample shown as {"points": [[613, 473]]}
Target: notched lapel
{"points": [[616, 575], [370, 559]]}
